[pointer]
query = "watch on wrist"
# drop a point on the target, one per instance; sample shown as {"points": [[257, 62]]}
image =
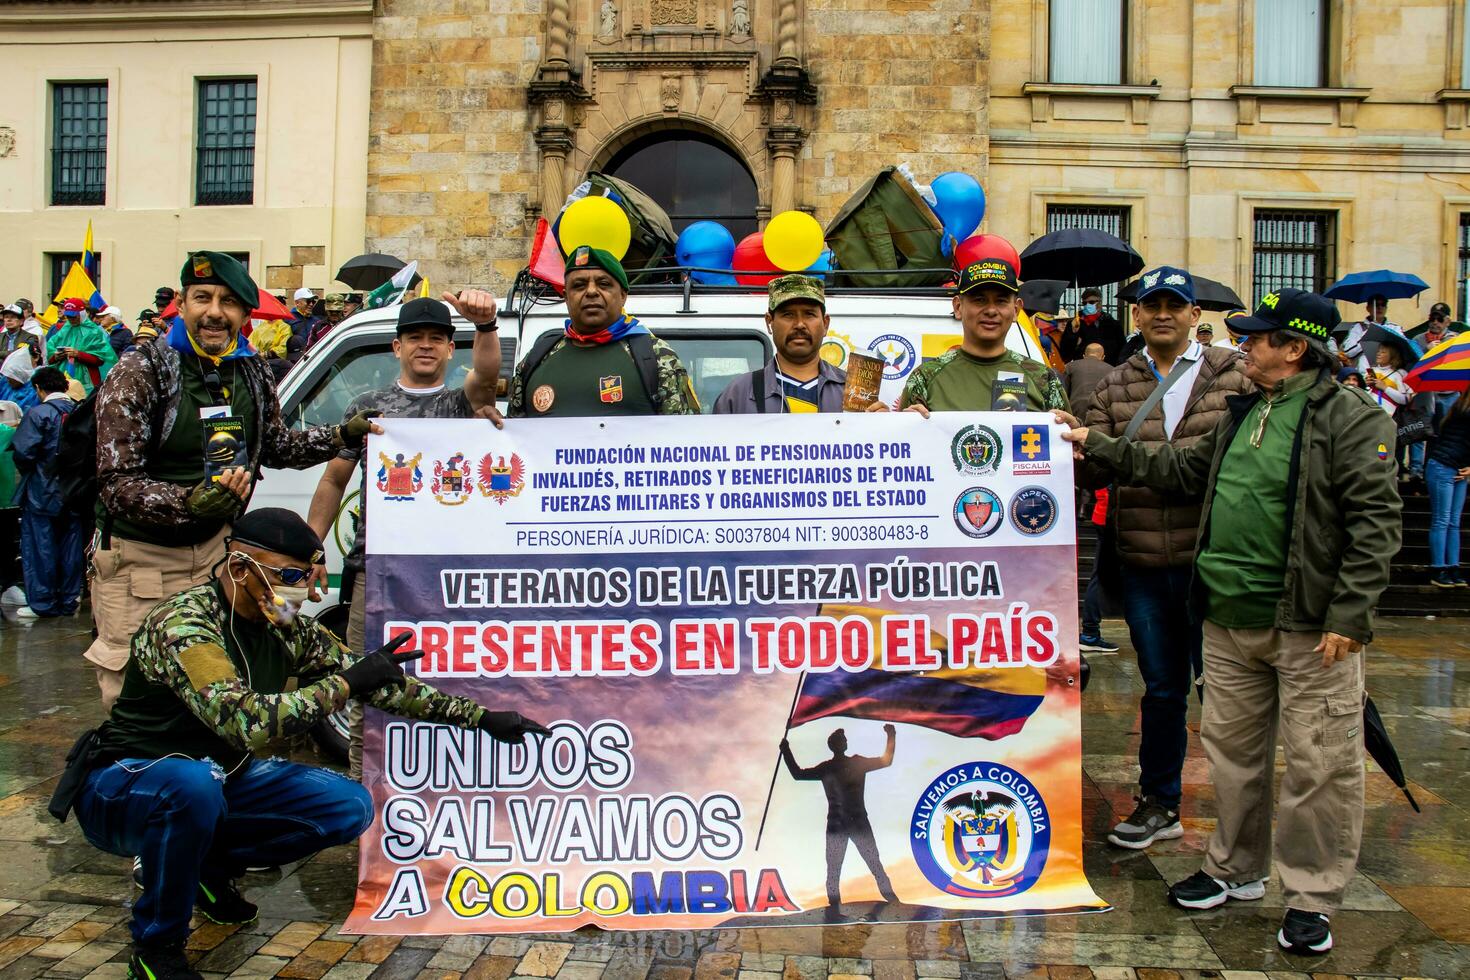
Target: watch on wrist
{"points": [[486, 327]]}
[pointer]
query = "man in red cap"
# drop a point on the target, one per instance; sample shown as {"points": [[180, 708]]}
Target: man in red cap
{"points": [[79, 347]]}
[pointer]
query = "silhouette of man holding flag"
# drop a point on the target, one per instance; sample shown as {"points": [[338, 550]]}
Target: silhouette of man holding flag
{"points": [[843, 777]]}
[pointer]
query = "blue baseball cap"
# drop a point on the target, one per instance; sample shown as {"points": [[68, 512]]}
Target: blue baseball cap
{"points": [[1166, 278]]}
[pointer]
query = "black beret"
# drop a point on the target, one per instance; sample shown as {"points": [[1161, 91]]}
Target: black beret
{"points": [[279, 530]]}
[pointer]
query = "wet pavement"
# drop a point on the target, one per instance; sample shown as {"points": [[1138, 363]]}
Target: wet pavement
{"points": [[63, 905]]}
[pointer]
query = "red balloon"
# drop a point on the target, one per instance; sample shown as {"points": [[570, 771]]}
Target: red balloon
{"points": [[751, 254], [978, 247]]}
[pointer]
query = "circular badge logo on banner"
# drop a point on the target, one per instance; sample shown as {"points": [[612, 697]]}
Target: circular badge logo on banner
{"points": [[975, 450], [1033, 510], [978, 512], [898, 355], [981, 830]]}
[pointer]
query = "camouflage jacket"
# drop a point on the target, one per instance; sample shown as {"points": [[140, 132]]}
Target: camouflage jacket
{"points": [[957, 381], [136, 410], [673, 394], [183, 691]]}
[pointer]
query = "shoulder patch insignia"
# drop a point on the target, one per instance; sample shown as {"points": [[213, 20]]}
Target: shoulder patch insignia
{"points": [[206, 664]]}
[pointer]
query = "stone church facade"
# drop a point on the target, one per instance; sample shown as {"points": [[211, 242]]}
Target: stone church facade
{"points": [[1214, 135], [487, 112]]}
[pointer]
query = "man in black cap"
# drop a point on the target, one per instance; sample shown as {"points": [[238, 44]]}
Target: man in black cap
{"points": [[161, 520], [982, 374], [1300, 519], [424, 347], [220, 671], [605, 362]]}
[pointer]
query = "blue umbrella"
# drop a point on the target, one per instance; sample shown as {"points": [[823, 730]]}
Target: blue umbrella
{"points": [[1379, 334], [1356, 287]]}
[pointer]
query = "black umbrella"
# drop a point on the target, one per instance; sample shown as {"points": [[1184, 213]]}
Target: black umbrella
{"points": [[368, 272], [1209, 294], [1380, 747], [1043, 295], [1080, 256]]}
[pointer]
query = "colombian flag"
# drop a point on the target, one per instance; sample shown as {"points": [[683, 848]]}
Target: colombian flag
{"points": [[965, 702]]}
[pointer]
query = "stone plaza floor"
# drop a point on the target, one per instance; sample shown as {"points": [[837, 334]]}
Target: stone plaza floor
{"points": [[64, 905]]}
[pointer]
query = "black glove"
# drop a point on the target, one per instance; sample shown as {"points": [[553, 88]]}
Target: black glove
{"points": [[509, 726], [355, 430], [380, 668]]}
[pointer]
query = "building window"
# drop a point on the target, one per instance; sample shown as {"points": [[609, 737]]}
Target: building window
{"points": [[1086, 41], [57, 265], [79, 143], [1296, 249], [1462, 275], [225, 169], [692, 177], [1291, 43], [1111, 219]]}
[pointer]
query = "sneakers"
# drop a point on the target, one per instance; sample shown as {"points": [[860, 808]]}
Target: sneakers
{"points": [[160, 963], [221, 902], [26, 614], [1457, 577], [138, 872], [1305, 933], [1150, 821], [1203, 891], [1443, 578], [1094, 643]]}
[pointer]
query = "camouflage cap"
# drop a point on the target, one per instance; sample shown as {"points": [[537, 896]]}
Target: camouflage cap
{"points": [[988, 272], [335, 301], [787, 288]]}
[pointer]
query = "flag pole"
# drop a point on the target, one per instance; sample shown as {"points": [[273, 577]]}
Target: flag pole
{"points": [[776, 769]]}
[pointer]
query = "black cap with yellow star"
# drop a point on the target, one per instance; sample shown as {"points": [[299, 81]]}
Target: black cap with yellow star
{"points": [[988, 272]]}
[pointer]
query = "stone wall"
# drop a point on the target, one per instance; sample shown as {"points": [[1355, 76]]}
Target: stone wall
{"points": [[451, 162]]}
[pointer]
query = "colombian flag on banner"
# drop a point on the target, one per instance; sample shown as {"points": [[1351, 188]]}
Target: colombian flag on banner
{"points": [[964, 702]]}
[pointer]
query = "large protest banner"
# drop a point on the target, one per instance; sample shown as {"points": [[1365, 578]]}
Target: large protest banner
{"points": [[681, 598]]}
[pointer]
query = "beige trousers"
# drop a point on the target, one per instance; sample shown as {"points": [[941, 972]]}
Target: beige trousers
{"points": [[1258, 684], [356, 627], [128, 580]]}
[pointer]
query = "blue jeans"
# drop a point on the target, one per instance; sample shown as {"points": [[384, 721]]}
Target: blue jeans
{"points": [[186, 821], [1446, 501], [1170, 651]]}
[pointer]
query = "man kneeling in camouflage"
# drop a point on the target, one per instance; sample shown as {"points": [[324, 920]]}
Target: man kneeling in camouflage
{"points": [[171, 776]]}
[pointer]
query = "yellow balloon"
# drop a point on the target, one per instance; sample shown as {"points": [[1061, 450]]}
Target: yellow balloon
{"points": [[596, 222], [793, 241]]}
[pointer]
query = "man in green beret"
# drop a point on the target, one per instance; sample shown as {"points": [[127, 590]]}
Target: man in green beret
{"points": [[161, 518], [604, 362]]}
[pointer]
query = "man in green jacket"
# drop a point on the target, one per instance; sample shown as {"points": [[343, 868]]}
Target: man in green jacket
{"points": [[1300, 520]]}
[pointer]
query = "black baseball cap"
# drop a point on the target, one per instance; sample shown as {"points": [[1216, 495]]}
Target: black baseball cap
{"points": [[989, 272], [1296, 310], [425, 312], [1440, 309]]}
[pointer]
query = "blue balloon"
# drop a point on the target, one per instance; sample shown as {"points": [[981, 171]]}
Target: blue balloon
{"points": [[823, 264], [710, 245], [961, 204]]}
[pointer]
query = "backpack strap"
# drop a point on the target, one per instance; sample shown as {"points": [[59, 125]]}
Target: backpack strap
{"points": [[538, 352], [758, 389], [640, 345]]}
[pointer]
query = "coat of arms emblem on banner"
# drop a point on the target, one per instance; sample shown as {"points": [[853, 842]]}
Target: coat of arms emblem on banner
{"points": [[502, 477]]}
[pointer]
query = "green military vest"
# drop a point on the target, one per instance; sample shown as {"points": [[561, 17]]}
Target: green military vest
{"points": [[580, 380]]}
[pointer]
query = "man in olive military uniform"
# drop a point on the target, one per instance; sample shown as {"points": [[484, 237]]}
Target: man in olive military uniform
{"points": [[335, 305], [606, 362], [161, 522], [177, 774], [982, 374]]}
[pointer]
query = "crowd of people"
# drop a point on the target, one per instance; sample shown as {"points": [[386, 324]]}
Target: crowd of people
{"points": [[1246, 493]]}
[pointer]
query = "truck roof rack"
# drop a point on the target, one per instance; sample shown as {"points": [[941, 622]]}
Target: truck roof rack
{"points": [[529, 290]]}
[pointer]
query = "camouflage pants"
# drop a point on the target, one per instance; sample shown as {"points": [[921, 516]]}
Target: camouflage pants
{"points": [[128, 580]]}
